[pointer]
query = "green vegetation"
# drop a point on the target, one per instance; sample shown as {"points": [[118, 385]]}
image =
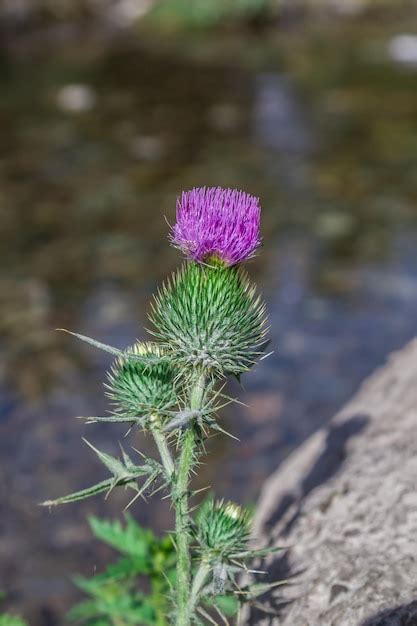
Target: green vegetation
{"points": [[115, 596], [205, 13], [11, 620]]}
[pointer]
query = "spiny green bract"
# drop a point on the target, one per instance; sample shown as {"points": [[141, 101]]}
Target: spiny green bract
{"points": [[222, 527], [139, 389], [210, 318]]}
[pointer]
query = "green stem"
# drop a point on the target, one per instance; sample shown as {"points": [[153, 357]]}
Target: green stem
{"points": [[164, 452], [182, 514], [198, 584]]}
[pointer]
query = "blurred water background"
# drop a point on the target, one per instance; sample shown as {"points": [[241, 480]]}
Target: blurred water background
{"points": [[105, 116]]}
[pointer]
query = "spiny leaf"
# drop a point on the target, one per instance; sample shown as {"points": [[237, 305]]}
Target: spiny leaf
{"points": [[264, 608], [181, 420], [258, 589], [126, 459], [253, 554], [126, 477], [115, 466], [93, 419], [145, 359], [105, 485]]}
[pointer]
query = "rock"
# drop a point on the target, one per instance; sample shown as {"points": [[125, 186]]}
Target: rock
{"points": [[345, 504], [403, 49], [76, 98]]}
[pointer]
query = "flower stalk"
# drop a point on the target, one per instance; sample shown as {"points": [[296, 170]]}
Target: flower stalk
{"points": [[199, 581], [164, 452], [182, 514]]}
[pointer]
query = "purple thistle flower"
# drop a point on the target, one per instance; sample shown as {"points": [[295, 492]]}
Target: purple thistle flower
{"points": [[215, 223]]}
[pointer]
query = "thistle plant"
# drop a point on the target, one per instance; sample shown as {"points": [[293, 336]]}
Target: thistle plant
{"points": [[207, 323]]}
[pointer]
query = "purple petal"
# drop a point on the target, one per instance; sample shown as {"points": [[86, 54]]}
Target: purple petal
{"points": [[217, 223]]}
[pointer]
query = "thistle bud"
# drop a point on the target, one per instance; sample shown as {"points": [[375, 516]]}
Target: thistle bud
{"points": [[210, 318], [222, 528], [140, 389]]}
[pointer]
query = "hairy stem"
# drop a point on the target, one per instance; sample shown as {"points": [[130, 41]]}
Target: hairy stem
{"points": [[164, 452], [198, 584], [182, 520]]}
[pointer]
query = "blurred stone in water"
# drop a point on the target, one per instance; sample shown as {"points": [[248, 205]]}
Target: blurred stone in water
{"points": [[15, 9], [224, 117], [126, 12], [403, 49], [335, 224], [147, 147], [279, 125], [278, 121], [76, 98]]}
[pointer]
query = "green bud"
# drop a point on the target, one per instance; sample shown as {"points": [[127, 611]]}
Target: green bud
{"points": [[210, 318], [222, 528], [139, 389]]}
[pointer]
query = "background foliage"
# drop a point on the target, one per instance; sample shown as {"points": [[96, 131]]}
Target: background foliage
{"points": [[116, 596]]}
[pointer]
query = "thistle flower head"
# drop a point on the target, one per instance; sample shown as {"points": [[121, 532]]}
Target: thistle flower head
{"points": [[139, 389], [210, 318], [215, 224], [222, 527]]}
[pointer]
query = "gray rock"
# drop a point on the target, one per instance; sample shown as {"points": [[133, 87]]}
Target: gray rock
{"points": [[345, 504]]}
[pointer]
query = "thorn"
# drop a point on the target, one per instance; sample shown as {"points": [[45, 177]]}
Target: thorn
{"points": [[194, 493], [90, 445], [139, 452], [225, 432], [138, 495], [206, 616], [112, 486], [221, 615], [157, 489]]}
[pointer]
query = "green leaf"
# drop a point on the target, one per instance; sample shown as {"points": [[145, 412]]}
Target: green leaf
{"points": [[83, 610], [112, 593], [119, 604], [228, 604], [11, 620], [132, 539], [128, 567]]}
